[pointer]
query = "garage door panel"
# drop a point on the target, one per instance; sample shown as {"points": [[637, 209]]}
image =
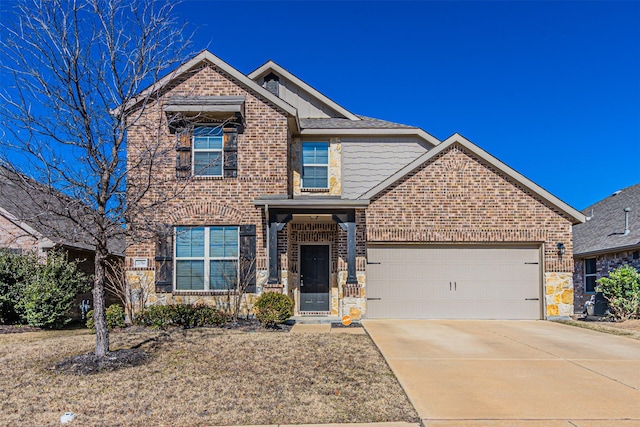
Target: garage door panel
{"points": [[453, 282]]}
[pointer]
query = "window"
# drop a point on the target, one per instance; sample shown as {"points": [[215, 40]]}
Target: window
{"points": [[590, 276], [206, 258], [207, 151], [315, 165]]}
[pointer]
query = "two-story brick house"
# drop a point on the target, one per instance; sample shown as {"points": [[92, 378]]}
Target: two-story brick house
{"points": [[344, 213]]}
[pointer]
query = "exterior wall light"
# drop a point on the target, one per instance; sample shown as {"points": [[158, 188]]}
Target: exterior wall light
{"points": [[561, 249]]}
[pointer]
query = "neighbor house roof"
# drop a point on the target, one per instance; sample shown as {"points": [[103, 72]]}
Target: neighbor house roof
{"points": [[42, 212], [572, 213], [604, 230]]}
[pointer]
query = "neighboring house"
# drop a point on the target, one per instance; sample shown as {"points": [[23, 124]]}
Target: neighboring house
{"points": [[29, 221], [608, 239], [348, 215]]}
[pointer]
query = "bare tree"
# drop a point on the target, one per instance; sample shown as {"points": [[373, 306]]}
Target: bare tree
{"points": [[70, 71], [237, 287], [133, 294]]}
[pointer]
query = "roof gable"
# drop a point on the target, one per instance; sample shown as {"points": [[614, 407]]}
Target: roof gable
{"points": [[604, 230], [300, 92], [207, 56], [572, 213]]}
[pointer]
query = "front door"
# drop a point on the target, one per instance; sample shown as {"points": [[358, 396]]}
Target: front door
{"points": [[314, 278]]}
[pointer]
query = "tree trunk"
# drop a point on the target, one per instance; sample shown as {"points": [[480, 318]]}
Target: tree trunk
{"points": [[99, 315]]}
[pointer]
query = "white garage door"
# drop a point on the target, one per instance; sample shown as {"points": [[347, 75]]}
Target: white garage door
{"points": [[453, 282]]}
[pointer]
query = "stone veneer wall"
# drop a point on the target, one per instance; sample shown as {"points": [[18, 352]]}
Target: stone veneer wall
{"points": [[458, 198], [205, 201], [604, 264], [335, 167], [331, 234]]}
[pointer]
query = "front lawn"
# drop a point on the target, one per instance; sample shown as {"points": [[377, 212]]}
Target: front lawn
{"points": [[204, 376]]}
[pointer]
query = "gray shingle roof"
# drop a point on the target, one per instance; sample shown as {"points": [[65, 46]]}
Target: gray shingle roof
{"points": [[340, 123], [46, 211], [604, 231]]}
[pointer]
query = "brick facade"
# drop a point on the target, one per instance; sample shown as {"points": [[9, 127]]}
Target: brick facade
{"points": [[455, 197], [205, 201], [14, 237], [604, 264], [458, 198]]}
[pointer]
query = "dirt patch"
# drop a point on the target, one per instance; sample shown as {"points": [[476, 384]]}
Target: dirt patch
{"points": [[91, 364]]}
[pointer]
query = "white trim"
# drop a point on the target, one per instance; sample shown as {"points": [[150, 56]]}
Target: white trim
{"points": [[21, 224], [584, 275], [271, 66], [575, 215], [206, 259], [316, 165], [420, 133], [207, 150]]}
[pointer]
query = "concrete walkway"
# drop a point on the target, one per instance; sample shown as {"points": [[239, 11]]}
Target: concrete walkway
{"points": [[512, 373], [324, 328]]}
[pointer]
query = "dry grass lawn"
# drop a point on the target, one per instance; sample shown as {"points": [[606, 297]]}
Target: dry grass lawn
{"points": [[628, 328], [201, 377]]}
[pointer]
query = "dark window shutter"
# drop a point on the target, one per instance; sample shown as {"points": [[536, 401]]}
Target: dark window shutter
{"points": [[164, 263], [248, 257], [183, 155], [230, 153]]}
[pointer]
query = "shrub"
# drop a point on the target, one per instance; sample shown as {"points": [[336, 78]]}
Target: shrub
{"points": [[155, 316], [205, 315], [13, 268], [185, 315], [273, 308], [622, 291], [49, 291], [115, 318]]}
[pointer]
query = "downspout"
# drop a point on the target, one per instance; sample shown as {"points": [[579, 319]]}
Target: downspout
{"points": [[266, 218]]}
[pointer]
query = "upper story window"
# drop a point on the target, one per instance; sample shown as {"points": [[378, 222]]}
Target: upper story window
{"points": [[590, 275], [315, 165], [208, 156], [206, 258]]}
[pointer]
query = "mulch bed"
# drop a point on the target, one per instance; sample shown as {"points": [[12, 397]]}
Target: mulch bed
{"points": [[16, 329], [85, 364]]}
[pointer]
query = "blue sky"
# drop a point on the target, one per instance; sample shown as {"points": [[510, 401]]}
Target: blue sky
{"points": [[550, 88]]}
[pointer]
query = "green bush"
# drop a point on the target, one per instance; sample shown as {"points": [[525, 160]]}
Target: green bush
{"points": [[115, 318], [49, 291], [273, 308], [13, 268], [205, 315], [185, 315], [622, 291]]}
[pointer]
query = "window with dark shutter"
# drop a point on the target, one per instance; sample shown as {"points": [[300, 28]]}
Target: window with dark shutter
{"points": [[183, 155], [164, 263], [248, 257], [230, 153]]}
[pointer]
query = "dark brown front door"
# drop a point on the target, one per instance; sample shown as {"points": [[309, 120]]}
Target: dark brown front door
{"points": [[314, 278]]}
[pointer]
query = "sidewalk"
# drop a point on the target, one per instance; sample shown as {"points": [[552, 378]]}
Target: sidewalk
{"points": [[324, 328]]}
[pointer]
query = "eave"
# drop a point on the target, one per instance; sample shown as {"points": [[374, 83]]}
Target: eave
{"points": [[417, 132]]}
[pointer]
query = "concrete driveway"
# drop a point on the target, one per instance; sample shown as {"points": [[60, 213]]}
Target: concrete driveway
{"points": [[512, 373]]}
